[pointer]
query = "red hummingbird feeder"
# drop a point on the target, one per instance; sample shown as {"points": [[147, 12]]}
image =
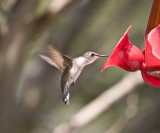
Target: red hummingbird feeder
{"points": [[130, 58]]}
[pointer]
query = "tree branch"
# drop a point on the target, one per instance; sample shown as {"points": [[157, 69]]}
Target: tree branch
{"points": [[102, 103]]}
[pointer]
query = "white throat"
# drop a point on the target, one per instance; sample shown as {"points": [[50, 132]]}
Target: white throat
{"points": [[82, 61]]}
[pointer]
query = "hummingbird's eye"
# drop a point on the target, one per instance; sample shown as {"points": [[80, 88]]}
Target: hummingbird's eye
{"points": [[92, 54]]}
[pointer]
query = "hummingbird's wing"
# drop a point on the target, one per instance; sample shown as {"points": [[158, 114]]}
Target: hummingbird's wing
{"points": [[46, 58], [57, 59]]}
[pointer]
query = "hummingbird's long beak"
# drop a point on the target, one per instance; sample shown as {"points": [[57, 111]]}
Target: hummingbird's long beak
{"points": [[102, 55]]}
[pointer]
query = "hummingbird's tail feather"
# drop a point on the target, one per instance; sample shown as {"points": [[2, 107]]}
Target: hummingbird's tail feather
{"points": [[66, 97], [66, 101]]}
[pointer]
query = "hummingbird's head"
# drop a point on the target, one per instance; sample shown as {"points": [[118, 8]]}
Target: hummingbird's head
{"points": [[92, 56]]}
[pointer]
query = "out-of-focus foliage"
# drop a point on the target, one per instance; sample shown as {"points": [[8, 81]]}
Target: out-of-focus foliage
{"points": [[87, 26]]}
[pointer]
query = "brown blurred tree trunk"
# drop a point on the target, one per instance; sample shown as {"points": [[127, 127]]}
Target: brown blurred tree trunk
{"points": [[20, 29], [13, 41]]}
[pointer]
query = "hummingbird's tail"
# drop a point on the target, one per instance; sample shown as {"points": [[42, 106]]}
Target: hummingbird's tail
{"points": [[66, 97]]}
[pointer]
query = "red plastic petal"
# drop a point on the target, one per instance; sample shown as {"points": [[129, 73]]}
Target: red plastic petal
{"points": [[152, 50], [151, 69], [125, 55], [150, 80]]}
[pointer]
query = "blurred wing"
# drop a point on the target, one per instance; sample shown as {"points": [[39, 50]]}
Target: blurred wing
{"points": [[58, 58], [47, 59]]}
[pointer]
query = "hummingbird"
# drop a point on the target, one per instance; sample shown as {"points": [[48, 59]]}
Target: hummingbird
{"points": [[70, 68]]}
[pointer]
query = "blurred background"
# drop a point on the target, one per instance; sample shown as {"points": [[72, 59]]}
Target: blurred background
{"points": [[30, 94]]}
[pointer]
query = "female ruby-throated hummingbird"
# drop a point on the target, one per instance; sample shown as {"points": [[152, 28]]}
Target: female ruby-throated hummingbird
{"points": [[71, 68]]}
